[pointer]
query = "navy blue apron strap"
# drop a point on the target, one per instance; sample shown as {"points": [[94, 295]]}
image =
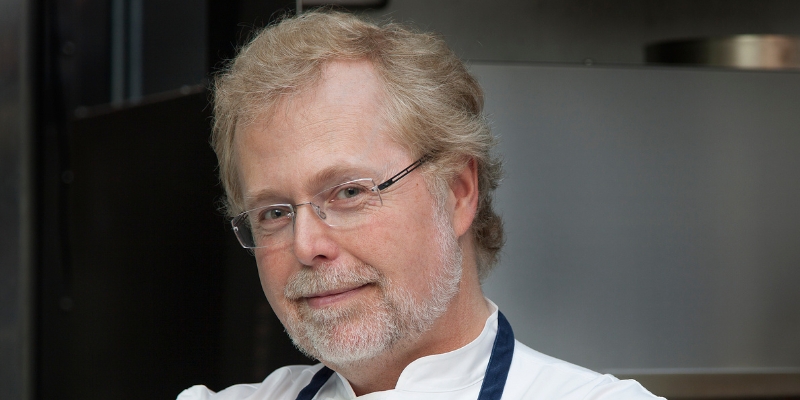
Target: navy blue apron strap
{"points": [[494, 381], [315, 385]]}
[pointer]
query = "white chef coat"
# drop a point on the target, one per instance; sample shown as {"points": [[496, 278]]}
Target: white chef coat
{"points": [[454, 375]]}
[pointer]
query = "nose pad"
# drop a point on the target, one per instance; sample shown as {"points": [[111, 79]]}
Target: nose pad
{"points": [[319, 211]]}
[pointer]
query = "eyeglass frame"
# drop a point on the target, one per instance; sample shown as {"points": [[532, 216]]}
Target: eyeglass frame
{"points": [[377, 189]]}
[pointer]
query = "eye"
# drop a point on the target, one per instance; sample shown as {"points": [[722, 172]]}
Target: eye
{"points": [[272, 214], [349, 192], [346, 197]]}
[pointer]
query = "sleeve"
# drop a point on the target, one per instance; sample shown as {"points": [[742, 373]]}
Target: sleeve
{"points": [[610, 387], [283, 383], [235, 392], [197, 392]]}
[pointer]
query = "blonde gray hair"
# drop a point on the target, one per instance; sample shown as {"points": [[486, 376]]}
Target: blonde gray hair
{"points": [[433, 105]]}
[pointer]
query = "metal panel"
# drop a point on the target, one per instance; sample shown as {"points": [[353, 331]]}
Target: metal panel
{"points": [[144, 265], [15, 265], [156, 294], [585, 31], [651, 215]]}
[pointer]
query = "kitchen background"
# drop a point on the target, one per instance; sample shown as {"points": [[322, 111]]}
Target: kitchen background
{"points": [[651, 208]]}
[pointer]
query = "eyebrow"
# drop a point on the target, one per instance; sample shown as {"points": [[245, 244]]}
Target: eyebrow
{"points": [[334, 175], [321, 180]]}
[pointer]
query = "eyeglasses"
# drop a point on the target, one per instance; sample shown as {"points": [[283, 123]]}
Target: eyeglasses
{"points": [[344, 205]]}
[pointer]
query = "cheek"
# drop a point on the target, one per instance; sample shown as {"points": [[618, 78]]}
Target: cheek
{"points": [[402, 245], [273, 272]]}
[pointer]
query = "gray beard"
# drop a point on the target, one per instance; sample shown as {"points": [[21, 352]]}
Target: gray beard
{"points": [[366, 329]]}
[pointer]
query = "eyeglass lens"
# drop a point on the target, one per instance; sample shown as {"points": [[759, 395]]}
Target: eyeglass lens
{"points": [[343, 205], [346, 204]]}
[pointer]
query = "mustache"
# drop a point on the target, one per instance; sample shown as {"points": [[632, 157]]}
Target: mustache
{"points": [[325, 277]]}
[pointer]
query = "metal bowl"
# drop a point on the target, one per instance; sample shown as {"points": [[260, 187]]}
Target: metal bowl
{"points": [[740, 51]]}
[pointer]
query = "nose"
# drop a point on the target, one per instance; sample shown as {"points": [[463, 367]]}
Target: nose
{"points": [[313, 240]]}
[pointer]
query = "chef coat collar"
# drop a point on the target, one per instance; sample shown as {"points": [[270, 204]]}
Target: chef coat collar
{"points": [[444, 372]]}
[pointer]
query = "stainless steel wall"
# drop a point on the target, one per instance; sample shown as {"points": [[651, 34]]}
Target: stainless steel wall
{"points": [[651, 212], [652, 217], [15, 265], [578, 31]]}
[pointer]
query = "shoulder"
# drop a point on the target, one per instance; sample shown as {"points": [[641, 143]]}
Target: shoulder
{"points": [[284, 383], [536, 375]]}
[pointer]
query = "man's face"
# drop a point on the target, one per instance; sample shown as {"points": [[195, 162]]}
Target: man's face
{"points": [[347, 293]]}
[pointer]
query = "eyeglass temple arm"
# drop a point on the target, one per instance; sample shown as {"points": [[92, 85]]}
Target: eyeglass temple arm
{"points": [[401, 174]]}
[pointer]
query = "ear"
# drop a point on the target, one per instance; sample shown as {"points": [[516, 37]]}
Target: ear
{"points": [[464, 189]]}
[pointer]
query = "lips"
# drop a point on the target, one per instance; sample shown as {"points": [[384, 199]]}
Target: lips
{"points": [[329, 297], [333, 292]]}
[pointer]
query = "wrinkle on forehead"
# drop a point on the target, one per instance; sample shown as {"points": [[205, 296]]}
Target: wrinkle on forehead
{"points": [[338, 120], [317, 107], [287, 102]]}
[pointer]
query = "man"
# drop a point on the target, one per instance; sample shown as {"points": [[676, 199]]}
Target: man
{"points": [[357, 166]]}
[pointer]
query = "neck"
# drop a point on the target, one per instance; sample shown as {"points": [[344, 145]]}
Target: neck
{"points": [[462, 322]]}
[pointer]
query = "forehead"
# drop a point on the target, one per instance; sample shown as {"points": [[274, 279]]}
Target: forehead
{"points": [[334, 124]]}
